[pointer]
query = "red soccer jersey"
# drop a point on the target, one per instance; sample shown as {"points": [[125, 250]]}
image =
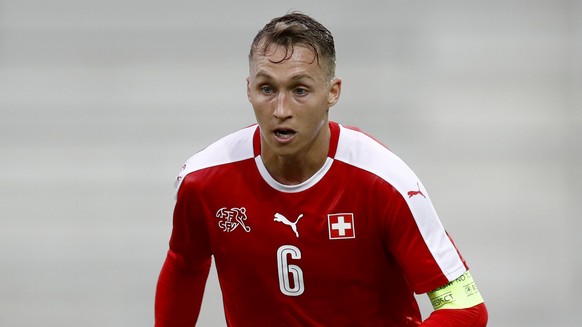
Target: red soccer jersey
{"points": [[348, 247]]}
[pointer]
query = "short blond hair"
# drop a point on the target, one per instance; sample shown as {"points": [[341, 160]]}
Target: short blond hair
{"points": [[297, 29]]}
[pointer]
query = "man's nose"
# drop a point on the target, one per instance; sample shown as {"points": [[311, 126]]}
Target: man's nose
{"points": [[282, 108]]}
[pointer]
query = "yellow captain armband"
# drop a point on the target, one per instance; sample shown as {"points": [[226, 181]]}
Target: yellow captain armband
{"points": [[461, 293]]}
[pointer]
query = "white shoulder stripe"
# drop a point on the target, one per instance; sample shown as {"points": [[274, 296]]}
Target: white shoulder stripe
{"points": [[235, 147], [357, 149], [360, 150]]}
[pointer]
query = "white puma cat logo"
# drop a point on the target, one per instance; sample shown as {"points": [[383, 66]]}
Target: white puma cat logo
{"points": [[282, 219]]}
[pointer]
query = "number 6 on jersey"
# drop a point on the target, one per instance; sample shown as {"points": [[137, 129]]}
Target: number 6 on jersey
{"points": [[287, 271]]}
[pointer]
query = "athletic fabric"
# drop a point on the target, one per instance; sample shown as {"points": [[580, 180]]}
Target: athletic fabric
{"points": [[347, 247]]}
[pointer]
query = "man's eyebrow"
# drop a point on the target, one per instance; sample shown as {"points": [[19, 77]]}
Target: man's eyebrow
{"points": [[263, 74], [296, 77], [302, 76]]}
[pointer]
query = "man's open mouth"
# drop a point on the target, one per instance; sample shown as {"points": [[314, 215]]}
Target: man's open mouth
{"points": [[284, 133]]}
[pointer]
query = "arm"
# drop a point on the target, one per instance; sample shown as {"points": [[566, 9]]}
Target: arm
{"points": [[475, 316], [427, 255], [179, 293], [457, 304], [183, 277]]}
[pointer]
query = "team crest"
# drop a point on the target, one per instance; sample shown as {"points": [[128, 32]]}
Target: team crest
{"points": [[231, 218], [341, 226]]}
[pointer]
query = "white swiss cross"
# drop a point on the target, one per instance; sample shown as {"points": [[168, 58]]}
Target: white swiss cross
{"points": [[341, 226]]}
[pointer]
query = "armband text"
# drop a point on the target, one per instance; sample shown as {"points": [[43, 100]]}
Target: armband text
{"points": [[461, 293]]}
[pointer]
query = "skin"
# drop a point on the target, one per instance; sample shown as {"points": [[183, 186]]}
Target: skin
{"points": [[291, 101]]}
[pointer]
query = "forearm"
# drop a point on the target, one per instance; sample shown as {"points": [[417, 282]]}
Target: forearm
{"points": [[179, 293], [457, 304], [475, 316]]}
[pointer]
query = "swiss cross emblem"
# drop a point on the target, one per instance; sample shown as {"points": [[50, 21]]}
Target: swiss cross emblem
{"points": [[341, 226]]}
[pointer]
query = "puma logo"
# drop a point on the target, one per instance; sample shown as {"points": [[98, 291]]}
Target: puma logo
{"points": [[282, 219], [413, 193]]}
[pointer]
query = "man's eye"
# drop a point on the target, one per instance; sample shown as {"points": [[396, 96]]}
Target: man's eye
{"points": [[266, 90], [300, 91]]}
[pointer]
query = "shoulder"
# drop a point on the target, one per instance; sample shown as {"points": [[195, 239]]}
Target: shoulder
{"points": [[360, 150], [234, 147]]}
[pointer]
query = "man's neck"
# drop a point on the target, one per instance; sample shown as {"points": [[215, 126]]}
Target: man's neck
{"points": [[293, 171], [296, 169]]}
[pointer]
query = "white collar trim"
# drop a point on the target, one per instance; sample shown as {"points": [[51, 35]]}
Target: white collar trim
{"points": [[292, 188]]}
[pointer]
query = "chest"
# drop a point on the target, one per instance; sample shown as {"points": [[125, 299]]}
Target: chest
{"points": [[337, 220]]}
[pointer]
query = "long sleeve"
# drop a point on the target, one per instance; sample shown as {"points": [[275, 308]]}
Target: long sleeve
{"points": [[179, 293], [183, 276], [475, 316]]}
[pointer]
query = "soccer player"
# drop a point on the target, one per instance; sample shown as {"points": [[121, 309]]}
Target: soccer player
{"points": [[309, 222]]}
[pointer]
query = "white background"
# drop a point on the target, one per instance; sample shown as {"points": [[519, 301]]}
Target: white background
{"points": [[102, 101]]}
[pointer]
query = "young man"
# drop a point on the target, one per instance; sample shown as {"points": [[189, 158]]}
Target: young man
{"points": [[310, 223]]}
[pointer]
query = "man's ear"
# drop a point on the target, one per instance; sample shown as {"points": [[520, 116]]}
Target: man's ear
{"points": [[335, 90], [249, 89]]}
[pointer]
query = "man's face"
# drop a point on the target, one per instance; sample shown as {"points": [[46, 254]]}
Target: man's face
{"points": [[291, 99]]}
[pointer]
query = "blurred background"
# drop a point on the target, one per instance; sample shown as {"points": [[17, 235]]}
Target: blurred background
{"points": [[102, 101]]}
